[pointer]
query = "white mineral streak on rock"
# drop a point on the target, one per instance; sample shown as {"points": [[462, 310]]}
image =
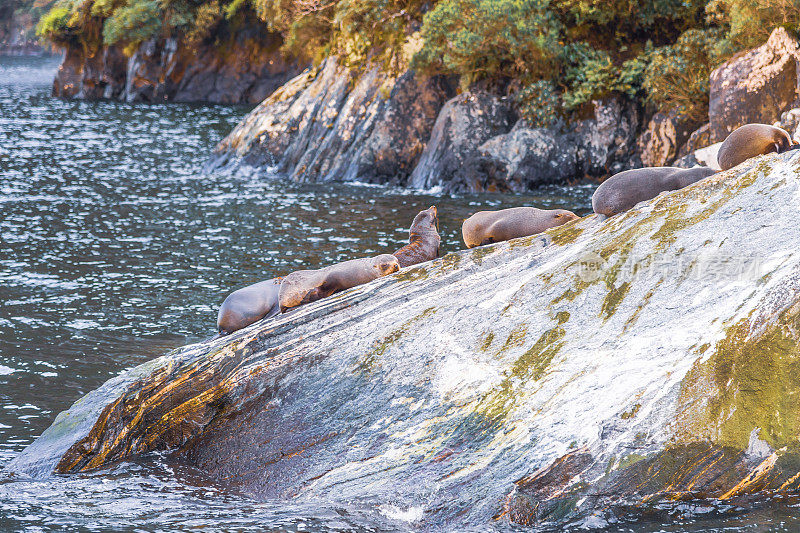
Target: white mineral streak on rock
{"points": [[488, 365]]}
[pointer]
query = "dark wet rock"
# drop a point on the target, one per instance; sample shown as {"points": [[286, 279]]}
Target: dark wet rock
{"points": [[159, 70], [463, 125], [330, 125], [687, 161], [523, 159], [755, 86], [664, 136], [519, 384]]}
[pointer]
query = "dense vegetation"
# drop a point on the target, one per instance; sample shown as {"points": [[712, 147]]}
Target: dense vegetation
{"points": [[552, 55], [20, 16]]}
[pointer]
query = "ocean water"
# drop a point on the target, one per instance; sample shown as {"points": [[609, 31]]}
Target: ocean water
{"points": [[116, 247]]}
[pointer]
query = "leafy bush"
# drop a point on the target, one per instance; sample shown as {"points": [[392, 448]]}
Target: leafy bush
{"points": [[488, 39], [55, 27], [677, 75], [751, 21], [133, 23], [554, 55], [538, 103]]}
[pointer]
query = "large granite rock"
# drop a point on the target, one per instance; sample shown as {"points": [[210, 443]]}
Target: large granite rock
{"points": [[245, 71], [661, 142], [521, 160], [607, 139], [755, 86], [463, 125], [330, 124], [605, 370]]}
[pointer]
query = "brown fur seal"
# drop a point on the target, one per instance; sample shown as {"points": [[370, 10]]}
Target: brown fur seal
{"points": [[486, 227], [305, 286], [622, 191], [423, 241], [752, 140], [249, 305]]}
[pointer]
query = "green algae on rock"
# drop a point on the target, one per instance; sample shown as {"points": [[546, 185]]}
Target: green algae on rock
{"points": [[504, 386]]}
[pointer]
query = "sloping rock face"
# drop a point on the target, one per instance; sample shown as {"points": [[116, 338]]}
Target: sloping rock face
{"points": [[327, 124], [606, 369], [246, 71], [755, 86], [330, 124]]}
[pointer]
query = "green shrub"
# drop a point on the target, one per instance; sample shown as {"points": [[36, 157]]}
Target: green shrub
{"points": [[489, 39], [677, 75], [553, 55], [54, 26], [751, 21], [538, 103], [133, 23]]}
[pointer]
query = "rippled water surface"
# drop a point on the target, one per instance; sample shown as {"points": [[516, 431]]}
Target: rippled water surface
{"points": [[116, 247]]}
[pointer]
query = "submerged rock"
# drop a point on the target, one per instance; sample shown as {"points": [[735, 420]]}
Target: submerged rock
{"points": [[600, 371]]}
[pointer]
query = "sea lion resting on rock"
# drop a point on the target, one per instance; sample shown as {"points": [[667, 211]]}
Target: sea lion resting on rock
{"points": [[486, 227], [622, 191], [752, 140], [423, 239], [305, 286], [249, 305]]}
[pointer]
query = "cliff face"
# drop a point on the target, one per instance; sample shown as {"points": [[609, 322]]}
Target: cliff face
{"points": [[327, 124], [245, 71], [333, 124], [608, 369]]}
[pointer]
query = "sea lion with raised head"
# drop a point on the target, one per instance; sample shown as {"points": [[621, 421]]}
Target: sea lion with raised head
{"points": [[249, 305], [423, 242], [306, 286], [487, 227], [622, 191], [752, 140]]}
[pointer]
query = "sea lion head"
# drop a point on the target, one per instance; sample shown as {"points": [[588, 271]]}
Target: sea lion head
{"points": [[562, 216], [425, 222], [385, 264]]}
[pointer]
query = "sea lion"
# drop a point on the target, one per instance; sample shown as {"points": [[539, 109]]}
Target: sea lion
{"points": [[423, 241], [486, 227], [752, 140], [249, 305], [622, 191], [305, 286]]}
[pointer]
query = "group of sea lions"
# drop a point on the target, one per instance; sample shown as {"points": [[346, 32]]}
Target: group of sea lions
{"points": [[617, 194], [268, 298], [622, 191]]}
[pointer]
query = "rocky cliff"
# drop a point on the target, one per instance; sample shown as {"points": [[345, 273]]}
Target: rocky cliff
{"points": [[246, 70], [331, 123], [611, 368]]}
